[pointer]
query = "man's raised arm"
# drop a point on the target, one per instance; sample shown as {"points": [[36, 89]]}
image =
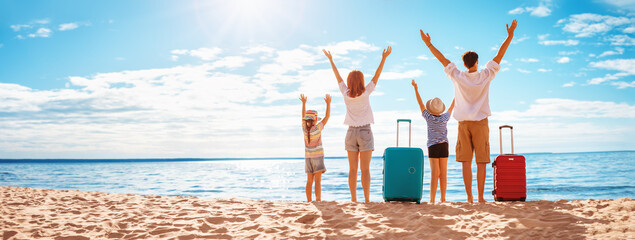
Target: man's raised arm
{"points": [[426, 39], [508, 40]]}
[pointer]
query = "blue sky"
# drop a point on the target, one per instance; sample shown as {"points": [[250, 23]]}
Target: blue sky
{"points": [[122, 79]]}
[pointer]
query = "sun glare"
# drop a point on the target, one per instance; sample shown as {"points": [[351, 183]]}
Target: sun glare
{"points": [[249, 18]]}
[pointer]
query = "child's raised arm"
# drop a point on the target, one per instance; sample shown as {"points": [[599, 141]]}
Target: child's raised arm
{"points": [[327, 99], [421, 105], [303, 99], [384, 55], [451, 107], [337, 73]]}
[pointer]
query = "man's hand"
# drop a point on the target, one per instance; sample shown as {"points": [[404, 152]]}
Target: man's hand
{"points": [[425, 37], [386, 52], [327, 99], [328, 54], [510, 30], [302, 98], [414, 84]]}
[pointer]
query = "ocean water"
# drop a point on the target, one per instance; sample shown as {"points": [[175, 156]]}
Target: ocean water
{"points": [[550, 176]]}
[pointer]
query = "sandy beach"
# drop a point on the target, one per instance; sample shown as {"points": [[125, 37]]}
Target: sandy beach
{"points": [[27, 213]]}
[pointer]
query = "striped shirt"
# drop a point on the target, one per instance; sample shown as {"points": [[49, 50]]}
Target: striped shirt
{"points": [[437, 127], [314, 148]]}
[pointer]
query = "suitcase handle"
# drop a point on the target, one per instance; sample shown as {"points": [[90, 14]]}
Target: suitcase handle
{"points": [[500, 134], [409, 130]]}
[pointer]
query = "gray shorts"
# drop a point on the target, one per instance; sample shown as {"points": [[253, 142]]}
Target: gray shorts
{"points": [[359, 139], [314, 165]]}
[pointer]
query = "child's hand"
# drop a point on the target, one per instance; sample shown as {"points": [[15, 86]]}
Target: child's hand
{"points": [[414, 84], [327, 99], [302, 98], [386, 52], [510, 30], [328, 54]]}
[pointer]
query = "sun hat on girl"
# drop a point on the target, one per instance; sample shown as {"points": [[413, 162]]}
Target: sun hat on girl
{"points": [[435, 106], [311, 115]]}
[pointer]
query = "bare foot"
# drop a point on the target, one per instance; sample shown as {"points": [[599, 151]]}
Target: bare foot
{"points": [[470, 199], [482, 200], [431, 202]]}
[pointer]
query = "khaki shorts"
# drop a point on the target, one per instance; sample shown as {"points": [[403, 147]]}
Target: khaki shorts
{"points": [[473, 139], [314, 165], [359, 139]]}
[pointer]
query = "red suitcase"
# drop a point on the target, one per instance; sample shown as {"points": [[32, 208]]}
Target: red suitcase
{"points": [[510, 180]]}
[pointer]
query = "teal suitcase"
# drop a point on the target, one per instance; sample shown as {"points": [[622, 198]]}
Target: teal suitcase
{"points": [[403, 171]]}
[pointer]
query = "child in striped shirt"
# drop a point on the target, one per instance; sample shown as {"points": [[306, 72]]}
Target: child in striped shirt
{"points": [[437, 121], [313, 151]]}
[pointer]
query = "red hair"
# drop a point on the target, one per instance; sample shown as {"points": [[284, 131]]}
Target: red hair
{"points": [[355, 83]]}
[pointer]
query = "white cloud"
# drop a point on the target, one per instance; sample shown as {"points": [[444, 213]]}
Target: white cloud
{"points": [[621, 40], [622, 4], [520, 39], [622, 85], [568, 42], [630, 29], [589, 24], [542, 10], [18, 27], [68, 26], [618, 51], [517, 10], [42, 21], [529, 60], [345, 47], [563, 60], [41, 32], [625, 68], [569, 52], [523, 71], [203, 53], [423, 57], [569, 84], [259, 49], [544, 70]]}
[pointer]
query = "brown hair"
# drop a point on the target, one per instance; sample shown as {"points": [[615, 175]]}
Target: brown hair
{"points": [[470, 58], [355, 83], [308, 124]]}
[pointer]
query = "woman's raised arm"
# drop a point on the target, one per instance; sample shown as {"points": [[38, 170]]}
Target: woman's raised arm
{"points": [[337, 73], [384, 55]]}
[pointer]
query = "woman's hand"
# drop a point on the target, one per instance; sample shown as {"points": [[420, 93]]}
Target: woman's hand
{"points": [[386, 52], [414, 84], [327, 99], [425, 37], [328, 54], [302, 98]]}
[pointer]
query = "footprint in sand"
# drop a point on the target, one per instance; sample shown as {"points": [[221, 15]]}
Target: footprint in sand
{"points": [[307, 219]]}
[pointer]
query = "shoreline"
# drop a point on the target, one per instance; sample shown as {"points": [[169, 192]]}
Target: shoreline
{"points": [[27, 213]]}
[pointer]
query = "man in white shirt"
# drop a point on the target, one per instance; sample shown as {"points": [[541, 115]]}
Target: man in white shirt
{"points": [[471, 93]]}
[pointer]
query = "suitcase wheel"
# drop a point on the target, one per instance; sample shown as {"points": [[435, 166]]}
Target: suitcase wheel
{"points": [[523, 198], [500, 199], [418, 202]]}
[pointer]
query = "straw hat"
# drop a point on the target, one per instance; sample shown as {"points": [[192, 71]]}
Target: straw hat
{"points": [[435, 106]]}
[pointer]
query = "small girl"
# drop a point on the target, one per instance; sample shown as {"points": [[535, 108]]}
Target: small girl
{"points": [[313, 151], [437, 121]]}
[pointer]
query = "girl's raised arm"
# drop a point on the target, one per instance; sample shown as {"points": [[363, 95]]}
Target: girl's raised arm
{"points": [[337, 73], [327, 99], [421, 105], [451, 107], [303, 99], [384, 55]]}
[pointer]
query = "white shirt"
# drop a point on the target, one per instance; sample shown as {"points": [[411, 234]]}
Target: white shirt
{"points": [[358, 111], [471, 91]]}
